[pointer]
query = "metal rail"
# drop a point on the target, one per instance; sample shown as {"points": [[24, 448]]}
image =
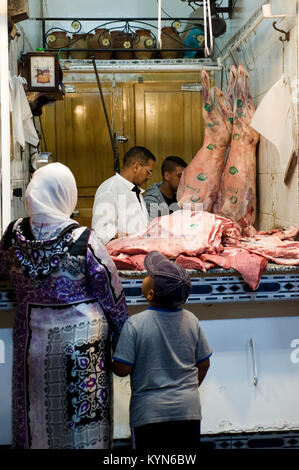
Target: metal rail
{"points": [[154, 18]]}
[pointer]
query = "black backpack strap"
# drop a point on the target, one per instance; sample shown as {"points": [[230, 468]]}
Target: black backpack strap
{"points": [[6, 240], [26, 229], [80, 246]]}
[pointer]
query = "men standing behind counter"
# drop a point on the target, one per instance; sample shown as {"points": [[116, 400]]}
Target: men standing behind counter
{"points": [[160, 198], [119, 208]]}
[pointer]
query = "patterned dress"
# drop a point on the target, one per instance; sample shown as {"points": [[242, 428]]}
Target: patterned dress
{"points": [[70, 303]]}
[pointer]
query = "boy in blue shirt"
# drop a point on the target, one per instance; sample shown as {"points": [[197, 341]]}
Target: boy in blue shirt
{"points": [[167, 355]]}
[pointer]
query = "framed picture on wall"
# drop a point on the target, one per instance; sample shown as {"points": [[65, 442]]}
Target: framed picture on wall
{"points": [[42, 71]]}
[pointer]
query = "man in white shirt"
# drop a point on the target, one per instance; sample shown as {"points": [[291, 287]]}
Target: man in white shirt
{"points": [[119, 208]]}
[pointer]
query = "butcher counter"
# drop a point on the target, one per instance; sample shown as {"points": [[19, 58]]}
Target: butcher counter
{"points": [[252, 384]]}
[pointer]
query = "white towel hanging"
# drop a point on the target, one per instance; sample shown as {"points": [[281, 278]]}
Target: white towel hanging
{"points": [[23, 127], [274, 119]]}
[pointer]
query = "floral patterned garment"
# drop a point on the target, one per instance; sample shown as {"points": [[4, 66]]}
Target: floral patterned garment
{"points": [[70, 302]]}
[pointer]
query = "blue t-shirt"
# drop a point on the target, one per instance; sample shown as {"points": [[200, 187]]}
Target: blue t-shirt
{"points": [[163, 346]]}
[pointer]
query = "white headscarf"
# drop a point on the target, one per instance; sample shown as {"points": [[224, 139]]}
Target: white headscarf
{"points": [[51, 197]]}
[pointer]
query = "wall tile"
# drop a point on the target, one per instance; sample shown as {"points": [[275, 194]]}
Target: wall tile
{"points": [[265, 193], [264, 221], [262, 155], [285, 204]]}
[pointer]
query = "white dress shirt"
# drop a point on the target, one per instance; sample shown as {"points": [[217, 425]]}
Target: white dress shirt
{"points": [[117, 209]]}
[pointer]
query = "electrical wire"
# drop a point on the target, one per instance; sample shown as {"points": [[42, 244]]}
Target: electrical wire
{"points": [[167, 14], [43, 134]]}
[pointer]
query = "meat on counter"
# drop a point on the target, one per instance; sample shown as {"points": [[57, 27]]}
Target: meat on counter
{"points": [[201, 240]]}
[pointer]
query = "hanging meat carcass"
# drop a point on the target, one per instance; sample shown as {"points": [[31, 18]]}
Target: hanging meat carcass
{"points": [[236, 198], [200, 180]]}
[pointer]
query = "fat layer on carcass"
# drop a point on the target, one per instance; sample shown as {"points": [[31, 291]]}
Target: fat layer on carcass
{"points": [[236, 198], [200, 181], [183, 232]]}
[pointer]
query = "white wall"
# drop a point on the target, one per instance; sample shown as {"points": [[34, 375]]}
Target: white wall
{"points": [[277, 202]]}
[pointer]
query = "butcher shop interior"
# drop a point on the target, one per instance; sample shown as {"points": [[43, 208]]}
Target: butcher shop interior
{"points": [[208, 92]]}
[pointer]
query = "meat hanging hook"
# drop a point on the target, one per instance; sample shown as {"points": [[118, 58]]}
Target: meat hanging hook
{"points": [[207, 9], [245, 60], [286, 33], [233, 57], [250, 50]]}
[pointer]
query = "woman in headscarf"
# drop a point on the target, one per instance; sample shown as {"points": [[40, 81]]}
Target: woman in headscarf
{"points": [[70, 303]]}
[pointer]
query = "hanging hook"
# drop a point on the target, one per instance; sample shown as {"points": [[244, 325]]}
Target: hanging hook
{"points": [[286, 33], [247, 41], [233, 57], [244, 58]]}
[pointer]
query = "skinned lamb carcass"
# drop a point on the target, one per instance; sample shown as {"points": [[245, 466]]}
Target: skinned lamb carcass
{"points": [[236, 198], [183, 232], [200, 181]]}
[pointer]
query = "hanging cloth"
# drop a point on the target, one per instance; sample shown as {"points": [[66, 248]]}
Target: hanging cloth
{"points": [[22, 121], [274, 119]]}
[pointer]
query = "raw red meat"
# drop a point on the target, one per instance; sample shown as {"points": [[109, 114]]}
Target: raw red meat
{"points": [[291, 232], [230, 92], [271, 247], [286, 250], [249, 265], [183, 232], [200, 181], [138, 261], [201, 240], [123, 262], [219, 260], [236, 198], [127, 262], [191, 262]]}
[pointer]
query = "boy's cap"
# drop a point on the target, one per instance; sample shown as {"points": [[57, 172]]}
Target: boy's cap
{"points": [[172, 283]]}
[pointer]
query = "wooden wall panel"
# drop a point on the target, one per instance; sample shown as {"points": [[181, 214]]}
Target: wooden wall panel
{"points": [[167, 121], [156, 114], [128, 117], [88, 151], [48, 121]]}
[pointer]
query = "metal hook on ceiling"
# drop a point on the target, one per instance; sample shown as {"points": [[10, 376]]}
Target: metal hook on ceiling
{"points": [[250, 69], [250, 50], [233, 57], [286, 36]]}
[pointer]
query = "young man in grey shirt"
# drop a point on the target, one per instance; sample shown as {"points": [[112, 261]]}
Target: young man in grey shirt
{"points": [[167, 355], [161, 198]]}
